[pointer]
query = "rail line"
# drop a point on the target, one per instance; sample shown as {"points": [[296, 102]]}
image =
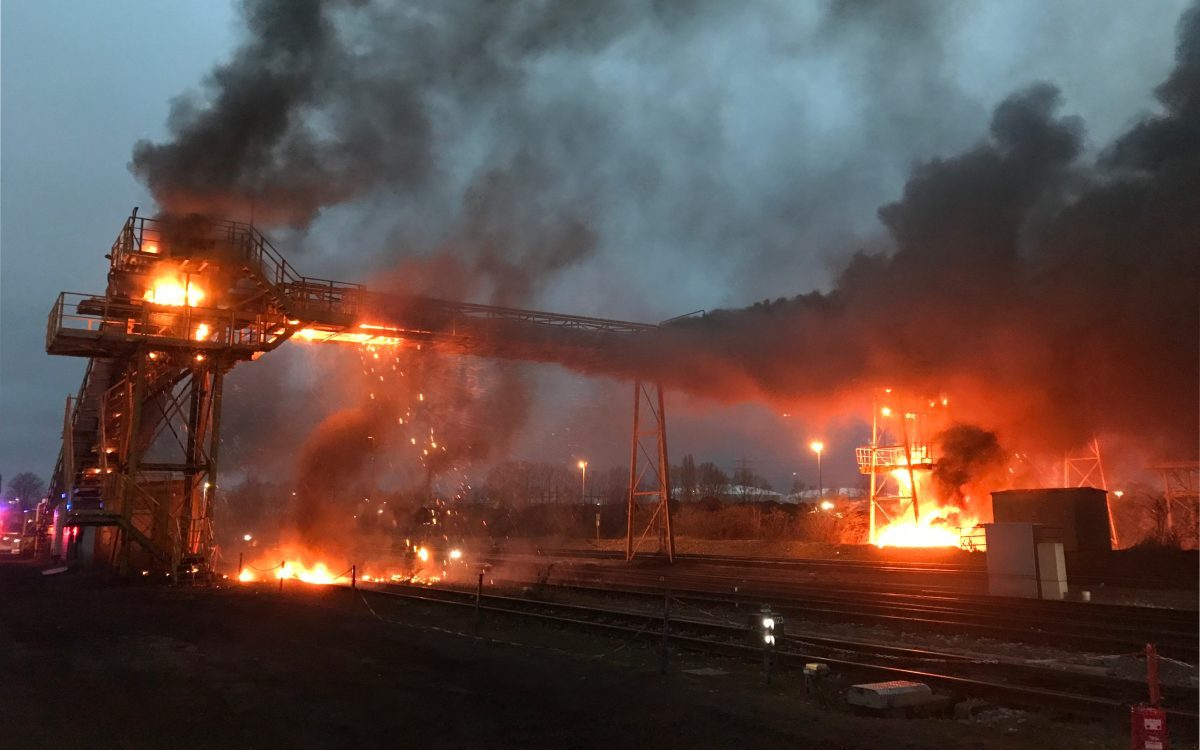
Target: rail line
{"points": [[1006, 682], [898, 566], [1077, 626], [947, 569]]}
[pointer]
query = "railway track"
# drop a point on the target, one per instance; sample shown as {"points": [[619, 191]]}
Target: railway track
{"points": [[1077, 626], [789, 563], [974, 572], [1008, 682], [1073, 625]]}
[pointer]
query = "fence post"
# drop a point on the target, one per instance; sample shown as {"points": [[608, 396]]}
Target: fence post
{"points": [[282, 563], [241, 566], [478, 596]]}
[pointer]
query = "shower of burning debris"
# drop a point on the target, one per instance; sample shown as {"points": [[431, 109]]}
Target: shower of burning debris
{"points": [[420, 420]]}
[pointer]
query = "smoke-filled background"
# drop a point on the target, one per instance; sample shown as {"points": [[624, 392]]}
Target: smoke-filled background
{"points": [[997, 201]]}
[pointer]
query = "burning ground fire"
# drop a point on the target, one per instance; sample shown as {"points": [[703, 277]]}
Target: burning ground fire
{"points": [[900, 460], [422, 566], [395, 435], [939, 525]]}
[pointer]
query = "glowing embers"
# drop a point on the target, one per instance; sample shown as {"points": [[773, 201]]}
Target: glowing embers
{"points": [[174, 289], [367, 334], [346, 337]]}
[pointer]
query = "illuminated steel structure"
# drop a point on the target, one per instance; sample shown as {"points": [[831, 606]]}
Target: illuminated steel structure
{"points": [[1086, 469], [879, 461], [189, 298], [1181, 494]]}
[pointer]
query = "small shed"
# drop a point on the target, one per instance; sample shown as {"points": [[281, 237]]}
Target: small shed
{"points": [[1081, 513]]}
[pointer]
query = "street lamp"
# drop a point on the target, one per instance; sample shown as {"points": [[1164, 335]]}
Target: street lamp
{"points": [[583, 498], [818, 447], [583, 483]]}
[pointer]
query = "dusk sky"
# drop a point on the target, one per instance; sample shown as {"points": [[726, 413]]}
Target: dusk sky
{"points": [[714, 159]]}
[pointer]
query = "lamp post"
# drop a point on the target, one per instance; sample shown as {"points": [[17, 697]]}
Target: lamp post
{"points": [[583, 482], [583, 497], [818, 447]]}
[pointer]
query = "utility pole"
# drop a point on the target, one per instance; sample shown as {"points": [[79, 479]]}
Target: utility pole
{"points": [[874, 459]]}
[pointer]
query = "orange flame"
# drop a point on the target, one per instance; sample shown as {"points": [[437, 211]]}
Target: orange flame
{"points": [[174, 289], [318, 573], [939, 523]]}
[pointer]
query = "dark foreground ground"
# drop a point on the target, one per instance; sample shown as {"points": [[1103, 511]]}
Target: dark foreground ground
{"points": [[88, 665]]}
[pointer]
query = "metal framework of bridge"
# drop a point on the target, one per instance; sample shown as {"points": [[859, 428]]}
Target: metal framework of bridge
{"points": [[187, 299]]}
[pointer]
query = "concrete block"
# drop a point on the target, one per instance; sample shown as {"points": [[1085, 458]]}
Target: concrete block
{"points": [[881, 696]]}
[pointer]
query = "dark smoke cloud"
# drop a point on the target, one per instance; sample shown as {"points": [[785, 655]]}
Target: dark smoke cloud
{"points": [[967, 457], [1058, 297], [331, 464], [507, 142], [249, 148], [417, 423], [522, 137]]}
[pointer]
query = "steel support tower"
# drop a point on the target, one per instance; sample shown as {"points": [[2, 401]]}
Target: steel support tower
{"points": [[649, 472], [1086, 469], [1181, 493]]}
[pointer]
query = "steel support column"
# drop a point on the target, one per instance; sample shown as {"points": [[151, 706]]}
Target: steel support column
{"points": [[643, 461]]}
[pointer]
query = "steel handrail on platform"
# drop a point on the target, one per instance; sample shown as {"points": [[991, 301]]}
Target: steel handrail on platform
{"points": [[79, 316], [889, 457]]}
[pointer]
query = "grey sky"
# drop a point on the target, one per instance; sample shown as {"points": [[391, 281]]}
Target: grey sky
{"points": [[772, 136]]}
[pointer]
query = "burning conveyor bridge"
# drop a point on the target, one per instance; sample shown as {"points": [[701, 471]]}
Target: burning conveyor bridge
{"points": [[189, 298]]}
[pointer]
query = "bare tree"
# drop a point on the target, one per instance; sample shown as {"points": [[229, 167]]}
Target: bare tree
{"points": [[27, 489], [711, 481], [688, 478]]}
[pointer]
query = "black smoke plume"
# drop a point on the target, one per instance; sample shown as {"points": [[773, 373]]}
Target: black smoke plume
{"points": [[1053, 293], [1056, 297]]}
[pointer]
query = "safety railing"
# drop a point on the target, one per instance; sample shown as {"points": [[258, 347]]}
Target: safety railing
{"points": [[310, 294], [892, 457], [83, 316], [972, 539], [427, 313], [144, 240], [58, 482]]}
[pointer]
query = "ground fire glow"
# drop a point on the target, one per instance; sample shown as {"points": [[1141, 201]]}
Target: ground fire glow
{"points": [[912, 509], [931, 531], [418, 565]]}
